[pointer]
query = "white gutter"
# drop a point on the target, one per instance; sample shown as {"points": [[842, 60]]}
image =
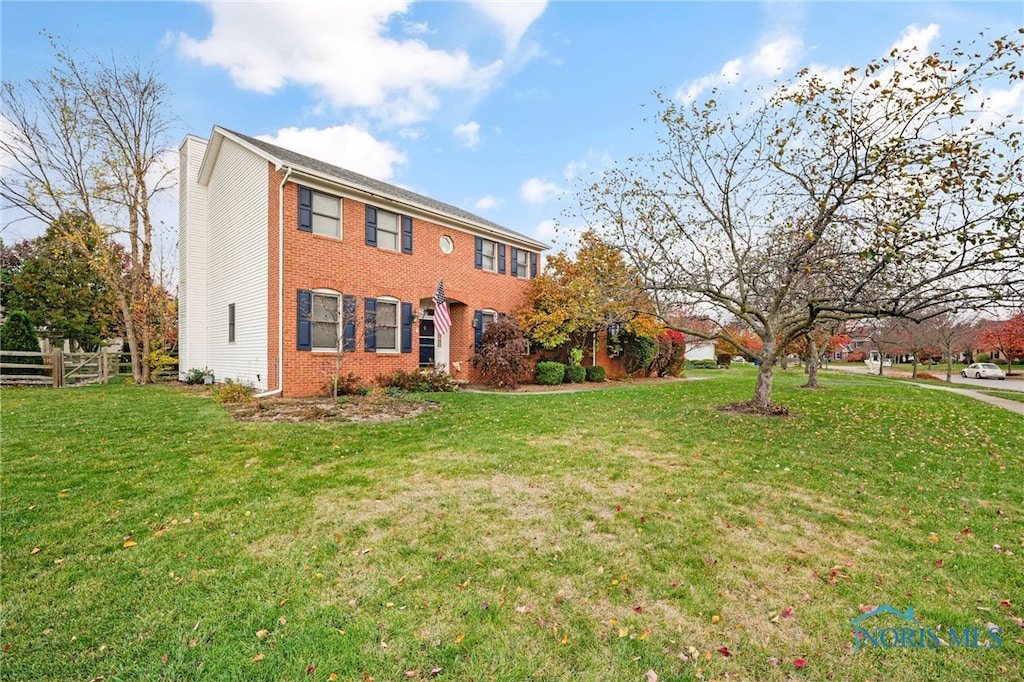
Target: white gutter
{"points": [[280, 287]]}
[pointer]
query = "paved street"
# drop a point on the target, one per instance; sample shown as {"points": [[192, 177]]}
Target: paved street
{"points": [[1014, 383]]}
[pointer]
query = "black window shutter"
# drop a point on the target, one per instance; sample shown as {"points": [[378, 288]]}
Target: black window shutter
{"points": [[407, 327], [479, 258], [371, 226], [406, 234], [348, 317], [370, 323], [533, 265], [305, 209], [515, 262], [478, 328], [304, 315], [501, 258]]}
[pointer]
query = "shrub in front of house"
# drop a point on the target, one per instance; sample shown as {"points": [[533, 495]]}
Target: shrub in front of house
{"points": [[234, 393], [346, 384], [550, 373], [19, 334], [501, 355], [198, 376], [576, 374], [422, 381], [982, 357], [671, 355], [595, 373], [638, 353], [701, 364]]}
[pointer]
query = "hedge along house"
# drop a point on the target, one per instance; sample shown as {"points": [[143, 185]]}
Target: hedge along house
{"points": [[283, 257]]}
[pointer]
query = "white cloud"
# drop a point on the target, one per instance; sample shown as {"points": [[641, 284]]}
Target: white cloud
{"points": [[513, 18], [487, 203], [341, 51], [468, 134], [537, 191], [773, 57], [346, 146], [546, 231], [574, 168]]}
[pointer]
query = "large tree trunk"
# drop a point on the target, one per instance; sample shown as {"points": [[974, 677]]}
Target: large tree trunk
{"points": [[913, 373], [763, 391], [812, 363]]}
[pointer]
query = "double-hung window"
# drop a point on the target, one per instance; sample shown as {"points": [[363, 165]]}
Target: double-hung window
{"points": [[521, 268], [326, 320], [319, 213], [387, 230], [387, 325], [489, 257]]}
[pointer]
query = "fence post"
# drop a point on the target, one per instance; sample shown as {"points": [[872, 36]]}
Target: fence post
{"points": [[58, 368], [103, 367]]}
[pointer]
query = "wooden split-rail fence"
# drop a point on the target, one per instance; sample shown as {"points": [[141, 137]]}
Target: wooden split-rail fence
{"points": [[60, 368]]}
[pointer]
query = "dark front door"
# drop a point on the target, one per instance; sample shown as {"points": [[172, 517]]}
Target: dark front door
{"points": [[426, 343]]}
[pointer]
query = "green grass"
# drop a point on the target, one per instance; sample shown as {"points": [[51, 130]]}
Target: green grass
{"points": [[1009, 395], [509, 537]]}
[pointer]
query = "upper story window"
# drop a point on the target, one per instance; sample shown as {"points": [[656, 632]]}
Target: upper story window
{"points": [[490, 255], [387, 230], [319, 213], [521, 263]]}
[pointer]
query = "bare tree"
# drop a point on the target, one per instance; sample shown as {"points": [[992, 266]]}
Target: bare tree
{"points": [[90, 138], [888, 191]]}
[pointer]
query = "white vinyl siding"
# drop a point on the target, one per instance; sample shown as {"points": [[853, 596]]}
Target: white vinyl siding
{"points": [[192, 270], [237, 264]]}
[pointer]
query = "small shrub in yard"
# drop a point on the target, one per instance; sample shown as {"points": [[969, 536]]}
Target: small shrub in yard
{"points": [[197, 376], [701, 364], [550, 373], [501, 356], [19, 334], [234, 393], [576, 374], [422, 381], [638, 353], [596, 373], [982, 357], [346, 384]]}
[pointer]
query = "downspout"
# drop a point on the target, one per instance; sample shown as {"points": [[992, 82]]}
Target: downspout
{"points": [[280, 287]]}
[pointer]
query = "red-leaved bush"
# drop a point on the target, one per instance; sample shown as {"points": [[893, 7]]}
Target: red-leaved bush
{"points": [[501, 357]]}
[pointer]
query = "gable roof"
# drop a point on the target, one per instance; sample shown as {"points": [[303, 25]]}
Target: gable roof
{"points": [[285, 157]]}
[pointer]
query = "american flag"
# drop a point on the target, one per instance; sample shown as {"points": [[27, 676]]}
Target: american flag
{"points": [[442, 318]]}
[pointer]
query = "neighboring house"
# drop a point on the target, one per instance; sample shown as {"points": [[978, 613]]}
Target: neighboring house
{"points": [[699, 349], [283, 256]]}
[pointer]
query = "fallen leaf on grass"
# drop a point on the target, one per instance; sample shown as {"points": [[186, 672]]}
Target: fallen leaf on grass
{"points": [[459, 637], [787, 612], [938, 563], [332, 677], [129, 543], [434, 672], [715, 619], [644, 635], [800, 663], [257, 658], [310, 670], [867, 608], [35, 550], [724, 650], [933, 537], [260, 634], [1005, 603], [412, 673], [623, 632]]}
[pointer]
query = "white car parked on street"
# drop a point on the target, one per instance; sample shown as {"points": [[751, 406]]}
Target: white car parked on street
{"points": [[983, 370]]}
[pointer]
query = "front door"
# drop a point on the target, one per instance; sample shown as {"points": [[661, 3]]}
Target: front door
{"points": [[427, 342]]}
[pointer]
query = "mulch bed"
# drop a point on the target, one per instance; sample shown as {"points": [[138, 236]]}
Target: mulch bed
{"points": [[370, 408], [746, 407]]}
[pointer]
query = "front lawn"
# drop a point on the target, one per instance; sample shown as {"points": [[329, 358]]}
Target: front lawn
{"points": [[590, 536]]}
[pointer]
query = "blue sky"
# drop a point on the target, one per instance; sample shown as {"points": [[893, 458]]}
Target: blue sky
{"points": [[502, 108]]}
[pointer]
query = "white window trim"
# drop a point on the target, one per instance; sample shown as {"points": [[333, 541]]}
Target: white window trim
{"points": [[398, 326], [341, 313], [484, 313], [341, 213]]}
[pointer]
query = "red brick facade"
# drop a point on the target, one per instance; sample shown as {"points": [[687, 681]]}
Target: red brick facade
{"points": [[351, 267]]}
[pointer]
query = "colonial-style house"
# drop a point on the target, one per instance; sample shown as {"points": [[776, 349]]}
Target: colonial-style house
{"points": [[284, 258]]}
